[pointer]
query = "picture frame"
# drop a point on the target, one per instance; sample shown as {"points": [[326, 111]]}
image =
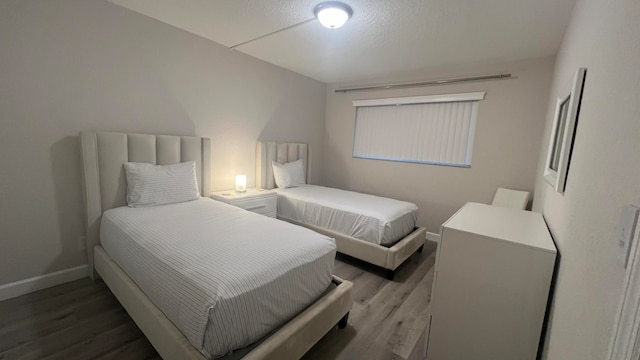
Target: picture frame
{"points": [[563, 132]]}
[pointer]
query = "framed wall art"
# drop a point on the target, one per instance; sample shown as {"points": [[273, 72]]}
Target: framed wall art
{"points": [[563, 131]]}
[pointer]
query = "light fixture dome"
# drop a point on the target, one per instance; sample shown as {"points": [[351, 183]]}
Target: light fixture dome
{"points": [[333, 14]]}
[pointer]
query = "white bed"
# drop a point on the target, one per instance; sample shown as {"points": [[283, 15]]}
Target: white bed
{"points": [[378, 230], [375, 219], [224, 303], [192, 295]]}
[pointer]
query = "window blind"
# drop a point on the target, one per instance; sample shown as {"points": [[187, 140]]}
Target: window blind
{"points": [[433, 133]]}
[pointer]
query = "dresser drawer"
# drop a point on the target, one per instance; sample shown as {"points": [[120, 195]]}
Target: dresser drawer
{"points": [[271, 214], [259, 205], [259, 201]]}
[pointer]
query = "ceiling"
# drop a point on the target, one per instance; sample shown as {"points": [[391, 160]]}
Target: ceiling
{"points": [[382, 37]]}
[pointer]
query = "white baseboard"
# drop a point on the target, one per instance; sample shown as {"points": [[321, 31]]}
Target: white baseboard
{"points": [[22, 287], [433, 237]]}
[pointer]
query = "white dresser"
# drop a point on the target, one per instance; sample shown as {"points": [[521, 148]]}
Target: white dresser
{"points": [[260, 201], [493, 275]]}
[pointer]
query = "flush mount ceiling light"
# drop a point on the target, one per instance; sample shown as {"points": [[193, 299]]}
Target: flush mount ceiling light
{"points": [[333, 14]]}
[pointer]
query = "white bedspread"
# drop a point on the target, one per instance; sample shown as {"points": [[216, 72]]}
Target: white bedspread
{"points": [[376, 219], [224, 276]]}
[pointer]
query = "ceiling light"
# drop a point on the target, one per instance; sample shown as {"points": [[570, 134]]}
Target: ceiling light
{"points": [[333, 14]]}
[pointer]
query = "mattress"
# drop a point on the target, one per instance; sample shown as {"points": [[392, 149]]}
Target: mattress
{"points": [[224, 276], [376, 219]]}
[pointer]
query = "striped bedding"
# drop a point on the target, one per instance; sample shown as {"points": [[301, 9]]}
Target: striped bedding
{"points": [[224, 276], [376, 219]]}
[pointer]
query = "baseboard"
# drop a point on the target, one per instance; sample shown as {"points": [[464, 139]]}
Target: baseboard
{"points": [[22, 287], [433, 237]]}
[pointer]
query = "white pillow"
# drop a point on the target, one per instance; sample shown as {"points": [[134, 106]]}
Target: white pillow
{"points": [[289, 174], [151, 185]]}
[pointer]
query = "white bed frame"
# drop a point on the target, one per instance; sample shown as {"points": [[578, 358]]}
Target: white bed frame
{"points": [[104, 185], [386, 257]]}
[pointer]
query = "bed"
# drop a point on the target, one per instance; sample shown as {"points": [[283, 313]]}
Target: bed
{"points": [[173, 324], [396, 239]]}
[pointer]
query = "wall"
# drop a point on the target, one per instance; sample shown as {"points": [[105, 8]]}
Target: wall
{"points": [[603, 176], [72, 65], [505, 152]]}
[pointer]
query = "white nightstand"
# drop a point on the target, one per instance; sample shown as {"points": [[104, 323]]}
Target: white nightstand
{"points": [[259, 201]]}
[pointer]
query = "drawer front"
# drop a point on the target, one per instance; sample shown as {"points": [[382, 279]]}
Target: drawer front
{"points": [[260, 206], [271, 214]]}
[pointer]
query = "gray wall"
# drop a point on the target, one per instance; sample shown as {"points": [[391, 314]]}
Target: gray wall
{"points": [[603, 176], [72, 65], [505, 152]]}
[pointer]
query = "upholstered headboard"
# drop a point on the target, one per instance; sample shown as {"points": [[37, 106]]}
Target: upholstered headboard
{"points": [[267, 151], [104, 183]]}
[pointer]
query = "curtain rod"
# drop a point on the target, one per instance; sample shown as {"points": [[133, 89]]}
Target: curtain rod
{"points": [[429, 83]]}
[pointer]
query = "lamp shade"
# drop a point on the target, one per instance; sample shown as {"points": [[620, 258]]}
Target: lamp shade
{"points": [[241, 183], [333, 14]]}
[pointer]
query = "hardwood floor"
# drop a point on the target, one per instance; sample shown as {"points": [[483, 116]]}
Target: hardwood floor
{"points": [[83, 320], [387, 318]]}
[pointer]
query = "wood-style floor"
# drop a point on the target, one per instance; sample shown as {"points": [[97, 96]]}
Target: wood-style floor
{"points": [[83, 320]]}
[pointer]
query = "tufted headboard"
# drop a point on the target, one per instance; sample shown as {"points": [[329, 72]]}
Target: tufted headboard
{"points": [[267, 151], [104, 183]]}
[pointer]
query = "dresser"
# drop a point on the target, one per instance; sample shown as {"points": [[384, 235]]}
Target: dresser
{"points": [[492, 280], [256, 200]]}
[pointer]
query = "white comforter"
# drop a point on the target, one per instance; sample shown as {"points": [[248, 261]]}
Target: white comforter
{"points": [[224, 276], [376, 219]]}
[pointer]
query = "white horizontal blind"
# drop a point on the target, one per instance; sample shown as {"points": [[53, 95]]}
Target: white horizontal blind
{"points": [[433, 133]]}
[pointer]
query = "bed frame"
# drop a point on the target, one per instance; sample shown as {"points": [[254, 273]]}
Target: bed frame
{"points": [[388, 258], [104, 187]]}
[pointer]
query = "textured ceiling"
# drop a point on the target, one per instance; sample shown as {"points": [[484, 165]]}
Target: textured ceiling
{"points": [[383, 36]]}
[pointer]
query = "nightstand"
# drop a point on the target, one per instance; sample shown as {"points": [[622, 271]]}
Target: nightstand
{"points": [[256, 200]]}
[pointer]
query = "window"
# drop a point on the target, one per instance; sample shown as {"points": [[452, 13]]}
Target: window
{"points": [[435, 129]]}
